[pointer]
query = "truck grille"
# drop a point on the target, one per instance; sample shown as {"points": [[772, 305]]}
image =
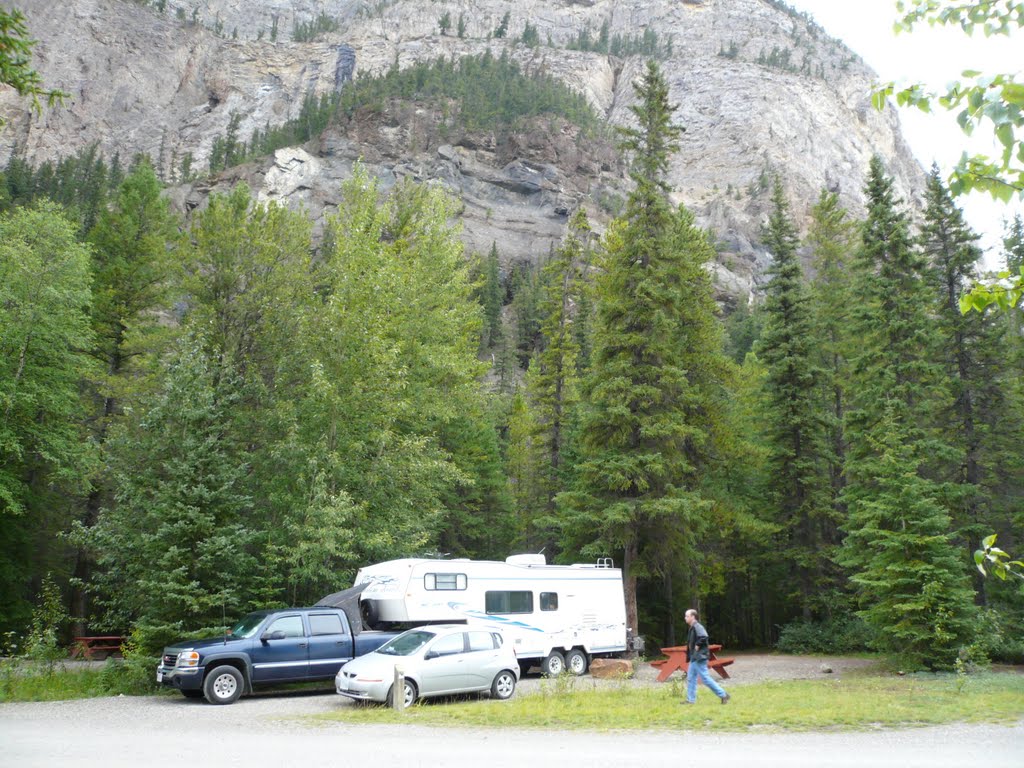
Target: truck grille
{"points": [[170, 659]]}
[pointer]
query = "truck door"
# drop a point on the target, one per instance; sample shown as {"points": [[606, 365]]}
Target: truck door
{"points": [[281, 651], [330, 645]]}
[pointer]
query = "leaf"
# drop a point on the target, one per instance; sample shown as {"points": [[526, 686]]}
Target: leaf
{"points": [[988, 541]]}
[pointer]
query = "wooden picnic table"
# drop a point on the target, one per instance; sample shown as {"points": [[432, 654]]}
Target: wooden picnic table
{"points": [[678, 658], [88, 645]]}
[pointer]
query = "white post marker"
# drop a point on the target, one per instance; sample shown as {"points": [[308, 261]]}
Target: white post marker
{"points": [[398, 691]]}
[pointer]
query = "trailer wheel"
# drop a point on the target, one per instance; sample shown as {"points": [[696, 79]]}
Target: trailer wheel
{"points": [[370, 612], [553, 665], [576, 661]]}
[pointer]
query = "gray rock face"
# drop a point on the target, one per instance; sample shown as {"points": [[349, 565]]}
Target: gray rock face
{"points": [[760, 91]]}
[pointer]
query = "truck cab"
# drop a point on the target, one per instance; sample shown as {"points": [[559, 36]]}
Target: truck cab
{"points": [[265, 648]]}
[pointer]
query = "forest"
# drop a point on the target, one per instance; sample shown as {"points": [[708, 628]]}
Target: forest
{"points": [[207, 416]]}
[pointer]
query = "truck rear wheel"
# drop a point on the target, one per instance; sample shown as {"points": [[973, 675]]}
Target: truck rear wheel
{"points": [[553, 665], [576, 661]]}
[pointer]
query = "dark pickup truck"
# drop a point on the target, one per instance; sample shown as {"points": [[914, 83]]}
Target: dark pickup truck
{"points": [[264, 648]]}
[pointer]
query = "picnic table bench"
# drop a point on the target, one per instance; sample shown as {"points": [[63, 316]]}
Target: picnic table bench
{"points": [[87, 646], [678, 658]]}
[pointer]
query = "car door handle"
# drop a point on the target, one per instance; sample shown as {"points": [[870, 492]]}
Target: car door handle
{"points": [[302, 645]]}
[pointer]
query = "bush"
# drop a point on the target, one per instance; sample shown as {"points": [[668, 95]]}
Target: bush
{"points": [[1000, 635], [836, 635]]}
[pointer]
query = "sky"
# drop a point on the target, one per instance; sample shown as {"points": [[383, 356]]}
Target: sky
{"points": [[934, 56]]}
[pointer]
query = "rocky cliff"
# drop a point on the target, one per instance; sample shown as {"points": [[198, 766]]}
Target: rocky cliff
{"points": [[760, 90]]}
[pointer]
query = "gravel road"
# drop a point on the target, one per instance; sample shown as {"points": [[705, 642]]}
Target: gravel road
{"points": [[268, 729]]}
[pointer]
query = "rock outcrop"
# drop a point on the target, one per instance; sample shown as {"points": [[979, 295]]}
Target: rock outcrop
{"points": [[760, 89]]}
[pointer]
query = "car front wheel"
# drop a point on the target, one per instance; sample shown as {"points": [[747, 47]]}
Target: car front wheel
{"points": [[410, 694], [504, 685], [223, 685]]}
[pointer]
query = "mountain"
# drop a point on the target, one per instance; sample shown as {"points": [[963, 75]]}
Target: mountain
{"points": [[761, 90]]}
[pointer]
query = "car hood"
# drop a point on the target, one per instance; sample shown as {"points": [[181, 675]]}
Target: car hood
{"points": [[380, 665]]}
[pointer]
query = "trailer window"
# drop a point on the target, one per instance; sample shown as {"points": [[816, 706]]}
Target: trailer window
{"points": [[444, 581], [549, 601], [509, 602]]}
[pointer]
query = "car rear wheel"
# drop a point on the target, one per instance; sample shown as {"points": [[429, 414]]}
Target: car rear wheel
{"points": [[223, 685], [504, 685], [411, 694], [553, 665], [576, 661]]}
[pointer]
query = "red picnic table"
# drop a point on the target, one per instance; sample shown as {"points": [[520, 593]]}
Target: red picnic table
{"points": [[678, 658], [87, 646]]}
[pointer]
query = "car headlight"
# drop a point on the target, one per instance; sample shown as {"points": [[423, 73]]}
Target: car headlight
{"points": [[188, 659]]}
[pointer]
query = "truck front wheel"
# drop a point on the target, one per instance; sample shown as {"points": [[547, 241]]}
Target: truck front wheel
{"points": [[223, 685]]}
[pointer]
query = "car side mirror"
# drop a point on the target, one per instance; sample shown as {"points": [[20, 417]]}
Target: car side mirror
{"points": [[275, 635], [431, 655]]}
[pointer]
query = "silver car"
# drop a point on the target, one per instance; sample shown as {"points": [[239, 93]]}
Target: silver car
{"points": [[436, 660]]}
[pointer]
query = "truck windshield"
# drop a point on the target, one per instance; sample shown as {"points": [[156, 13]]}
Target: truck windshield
{"points": [[248, 625], [406, 644]]}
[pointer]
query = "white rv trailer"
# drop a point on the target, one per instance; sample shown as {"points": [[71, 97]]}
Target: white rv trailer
{"points": [[557, 616]]}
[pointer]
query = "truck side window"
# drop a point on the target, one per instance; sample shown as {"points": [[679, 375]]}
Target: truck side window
{"points": [[290, 625], [549, 601], [444, 581], [325, 624], [508, 602]]}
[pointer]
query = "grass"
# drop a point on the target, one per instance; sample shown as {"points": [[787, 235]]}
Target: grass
{"points": [[843, 704], [25, 681]]}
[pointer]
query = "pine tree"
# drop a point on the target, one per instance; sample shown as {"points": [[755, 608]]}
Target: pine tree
{"points": [[492, 298], [798, 486], [832, 239], [910, 582], [552, 379], [645, 427], [979, 423]]}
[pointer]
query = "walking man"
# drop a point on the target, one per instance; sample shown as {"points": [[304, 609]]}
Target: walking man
{"points": [[698, 653]]}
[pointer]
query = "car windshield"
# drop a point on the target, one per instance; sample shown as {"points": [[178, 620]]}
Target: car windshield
{"points": [[406, 644], [248, 625]]}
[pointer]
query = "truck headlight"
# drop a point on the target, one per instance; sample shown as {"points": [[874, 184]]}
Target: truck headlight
{"points": [[188, 659]]}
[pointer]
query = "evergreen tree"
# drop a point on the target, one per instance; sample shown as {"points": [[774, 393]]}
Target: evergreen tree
{"points": [[645, 431], [179, 548], [492, 298], [910, 582], [798, 486], [978, 422], [831, 238], [551, 380]]}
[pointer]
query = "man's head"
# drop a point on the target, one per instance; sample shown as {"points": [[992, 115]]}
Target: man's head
{"points": [[691, 616]]}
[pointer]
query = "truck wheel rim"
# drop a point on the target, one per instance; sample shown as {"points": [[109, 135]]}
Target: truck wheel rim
{"points": [[224, 686]]}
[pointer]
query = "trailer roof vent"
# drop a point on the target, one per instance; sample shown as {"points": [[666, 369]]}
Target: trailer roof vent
{"points": [[528, 559]]}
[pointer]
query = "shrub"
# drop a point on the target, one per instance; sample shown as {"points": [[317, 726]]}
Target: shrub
{"points": [[837, 635]]}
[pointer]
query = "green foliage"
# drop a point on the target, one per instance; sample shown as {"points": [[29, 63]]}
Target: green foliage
{"points": [[15, 61], [492, 298], [488, 93], [502, 29], [445, 22], [45, 336], [43, 642], [993, 101], [996, 560], [841, 634], [645, 44], [530, 36]]}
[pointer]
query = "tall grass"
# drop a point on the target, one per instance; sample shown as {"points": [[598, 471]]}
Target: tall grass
{"points": [[795, 705]]}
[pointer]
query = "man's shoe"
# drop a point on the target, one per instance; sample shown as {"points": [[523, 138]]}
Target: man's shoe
{"points": [[725, 699]]}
